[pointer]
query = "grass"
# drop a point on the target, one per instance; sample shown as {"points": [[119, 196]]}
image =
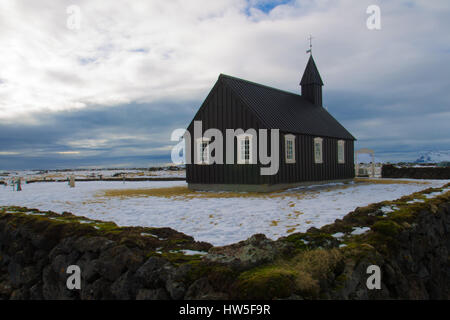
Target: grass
{"points": [[183, 193], [300, 274], [389, 181], [180, 192]]}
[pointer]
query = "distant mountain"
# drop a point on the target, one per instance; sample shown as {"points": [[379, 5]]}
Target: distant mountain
{"points": [[433, 156]]}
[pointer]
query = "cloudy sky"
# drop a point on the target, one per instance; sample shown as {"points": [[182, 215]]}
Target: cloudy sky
{"points": [[104, 83]]}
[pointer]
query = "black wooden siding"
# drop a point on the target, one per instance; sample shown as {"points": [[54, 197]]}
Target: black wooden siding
{"points": [[305, 169], [223, 110]]}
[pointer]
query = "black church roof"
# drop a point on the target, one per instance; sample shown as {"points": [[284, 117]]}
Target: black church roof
{"points": [[287, 111]]}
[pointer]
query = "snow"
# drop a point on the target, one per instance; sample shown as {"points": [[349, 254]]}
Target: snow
{"points": [[435, 194], [389, 209], [338, 235], [415, 201], [193, 252], [359, 230], [62, 175], [218, 220]]}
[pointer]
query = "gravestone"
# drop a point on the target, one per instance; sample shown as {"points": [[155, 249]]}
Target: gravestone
{"points": [[72, 181]]}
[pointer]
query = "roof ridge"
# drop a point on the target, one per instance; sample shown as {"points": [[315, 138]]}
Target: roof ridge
{"points": [[258, 84]]}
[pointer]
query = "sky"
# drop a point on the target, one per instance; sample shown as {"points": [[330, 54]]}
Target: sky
{"points": [[104, 83]]}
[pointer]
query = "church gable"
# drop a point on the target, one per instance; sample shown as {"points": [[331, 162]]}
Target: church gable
{"points": [[223, 109]]}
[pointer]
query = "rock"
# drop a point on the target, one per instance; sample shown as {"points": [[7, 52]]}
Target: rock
{"points": [[61, 262], [54, 286], [19, 294], [176, 289], [93, 244], [100, 289], [22, 276], [14, 271], [154, 272], [39, 241], [29, 276], [248, 253], [126, 287], [6, 289], [64, 247], [201, 289], [115, 261], [36, 292]]}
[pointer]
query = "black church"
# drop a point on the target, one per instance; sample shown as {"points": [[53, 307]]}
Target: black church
{"points": [[313, 146]]}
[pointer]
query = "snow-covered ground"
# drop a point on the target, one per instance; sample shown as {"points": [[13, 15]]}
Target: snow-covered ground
{"points": [[218, 220], [90, 174]]}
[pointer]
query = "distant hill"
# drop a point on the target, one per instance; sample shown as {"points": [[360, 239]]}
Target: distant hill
{"points": [[433, 156]]}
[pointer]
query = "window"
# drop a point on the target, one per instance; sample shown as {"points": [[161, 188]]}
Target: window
{"points": [[341, 151], [289, 143], [244, 149], [203, 151], [318, 158]]}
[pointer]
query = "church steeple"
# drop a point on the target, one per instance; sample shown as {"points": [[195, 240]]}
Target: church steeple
{"points": [[311, 83]]}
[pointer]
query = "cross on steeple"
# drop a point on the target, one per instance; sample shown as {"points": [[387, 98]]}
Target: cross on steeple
{"points": [[310, 45]]}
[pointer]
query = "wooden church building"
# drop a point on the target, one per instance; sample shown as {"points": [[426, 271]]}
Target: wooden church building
{"points": [[313, 146]]}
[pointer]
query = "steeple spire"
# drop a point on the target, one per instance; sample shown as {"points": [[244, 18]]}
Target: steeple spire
{"points": [[311, 83]]}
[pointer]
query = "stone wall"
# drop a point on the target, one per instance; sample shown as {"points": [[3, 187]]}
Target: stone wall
{"points": [[411, 245], [37, 247], [390, 171]]}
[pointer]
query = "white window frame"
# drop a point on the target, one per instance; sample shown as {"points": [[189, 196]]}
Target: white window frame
{"points": [[289, 138], [341, 148], [318, 159], [240, 139], [200, 159]]}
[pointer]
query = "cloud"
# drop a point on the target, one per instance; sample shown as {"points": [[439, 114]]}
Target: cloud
{"points": [[389, 87], [133, 134]]}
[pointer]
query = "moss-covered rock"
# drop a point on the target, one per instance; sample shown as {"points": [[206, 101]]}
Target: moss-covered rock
{"points": [[264, 283], [387, 227]]}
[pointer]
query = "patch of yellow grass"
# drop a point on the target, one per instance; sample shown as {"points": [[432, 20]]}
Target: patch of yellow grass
{"points": [[389, 181], [183, 193]]}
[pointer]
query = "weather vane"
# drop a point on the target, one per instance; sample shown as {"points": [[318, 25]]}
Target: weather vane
{"points": [[310, 45]]}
